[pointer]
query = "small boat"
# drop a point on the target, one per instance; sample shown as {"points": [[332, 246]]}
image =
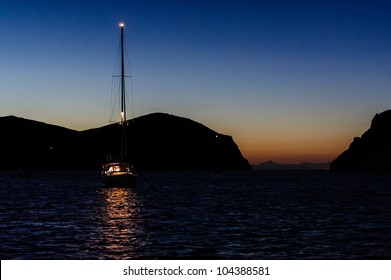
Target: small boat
{"points": [[120, 173]]}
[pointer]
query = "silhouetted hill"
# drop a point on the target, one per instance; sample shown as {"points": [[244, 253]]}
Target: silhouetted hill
{"points": [[25, 142], [271, 165], [371, 152], [156, 141]]}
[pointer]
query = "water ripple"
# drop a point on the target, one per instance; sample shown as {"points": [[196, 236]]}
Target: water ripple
{"points": [[196, 215]]}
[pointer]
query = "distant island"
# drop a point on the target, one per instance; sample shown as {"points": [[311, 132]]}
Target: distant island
{"points": [[371, 152], [156, 141], [271, 165]]}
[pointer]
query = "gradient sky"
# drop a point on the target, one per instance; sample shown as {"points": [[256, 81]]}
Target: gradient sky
{"points": [[291, 81]]}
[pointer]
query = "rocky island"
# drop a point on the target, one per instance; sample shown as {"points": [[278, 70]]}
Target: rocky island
{"points": [[271, 165], [156, 142], [371, 152]]}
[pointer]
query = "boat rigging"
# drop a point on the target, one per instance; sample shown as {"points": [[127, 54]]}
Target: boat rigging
{"points": [[120, 173]]}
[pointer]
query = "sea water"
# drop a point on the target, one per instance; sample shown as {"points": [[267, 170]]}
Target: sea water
{"points": [[196, 215]]}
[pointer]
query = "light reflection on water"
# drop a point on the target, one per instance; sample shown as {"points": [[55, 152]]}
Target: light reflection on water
{"points": [[198, 215], [118, 222]]}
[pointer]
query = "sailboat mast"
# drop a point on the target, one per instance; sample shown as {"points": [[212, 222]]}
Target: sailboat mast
{"points": [[124, 151]]}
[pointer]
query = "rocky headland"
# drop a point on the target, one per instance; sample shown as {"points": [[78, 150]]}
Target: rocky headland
{"points": [[156, 142], [371, 152]]}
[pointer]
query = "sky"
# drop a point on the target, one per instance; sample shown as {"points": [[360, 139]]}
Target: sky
{"points": [[290, 81]]}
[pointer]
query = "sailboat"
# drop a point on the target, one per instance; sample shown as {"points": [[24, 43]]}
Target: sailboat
{"points": [[120, 173]]}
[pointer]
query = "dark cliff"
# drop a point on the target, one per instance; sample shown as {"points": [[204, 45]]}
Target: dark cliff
{"points": [[156, 141], [371, 152]]}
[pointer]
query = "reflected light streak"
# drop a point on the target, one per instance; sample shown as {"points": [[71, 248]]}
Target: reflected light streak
{"points": [[118, 222]]}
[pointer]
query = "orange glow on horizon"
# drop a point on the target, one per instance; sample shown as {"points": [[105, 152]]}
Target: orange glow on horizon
{"points": [[292, 151]]}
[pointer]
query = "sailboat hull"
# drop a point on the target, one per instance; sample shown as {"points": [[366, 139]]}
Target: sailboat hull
{"points": [[118, 175]]}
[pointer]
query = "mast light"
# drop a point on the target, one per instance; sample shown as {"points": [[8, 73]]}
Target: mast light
{"points": [[121, 24]]}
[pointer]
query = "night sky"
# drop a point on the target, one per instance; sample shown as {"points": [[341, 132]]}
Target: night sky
{"points": [[291, 81]]}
